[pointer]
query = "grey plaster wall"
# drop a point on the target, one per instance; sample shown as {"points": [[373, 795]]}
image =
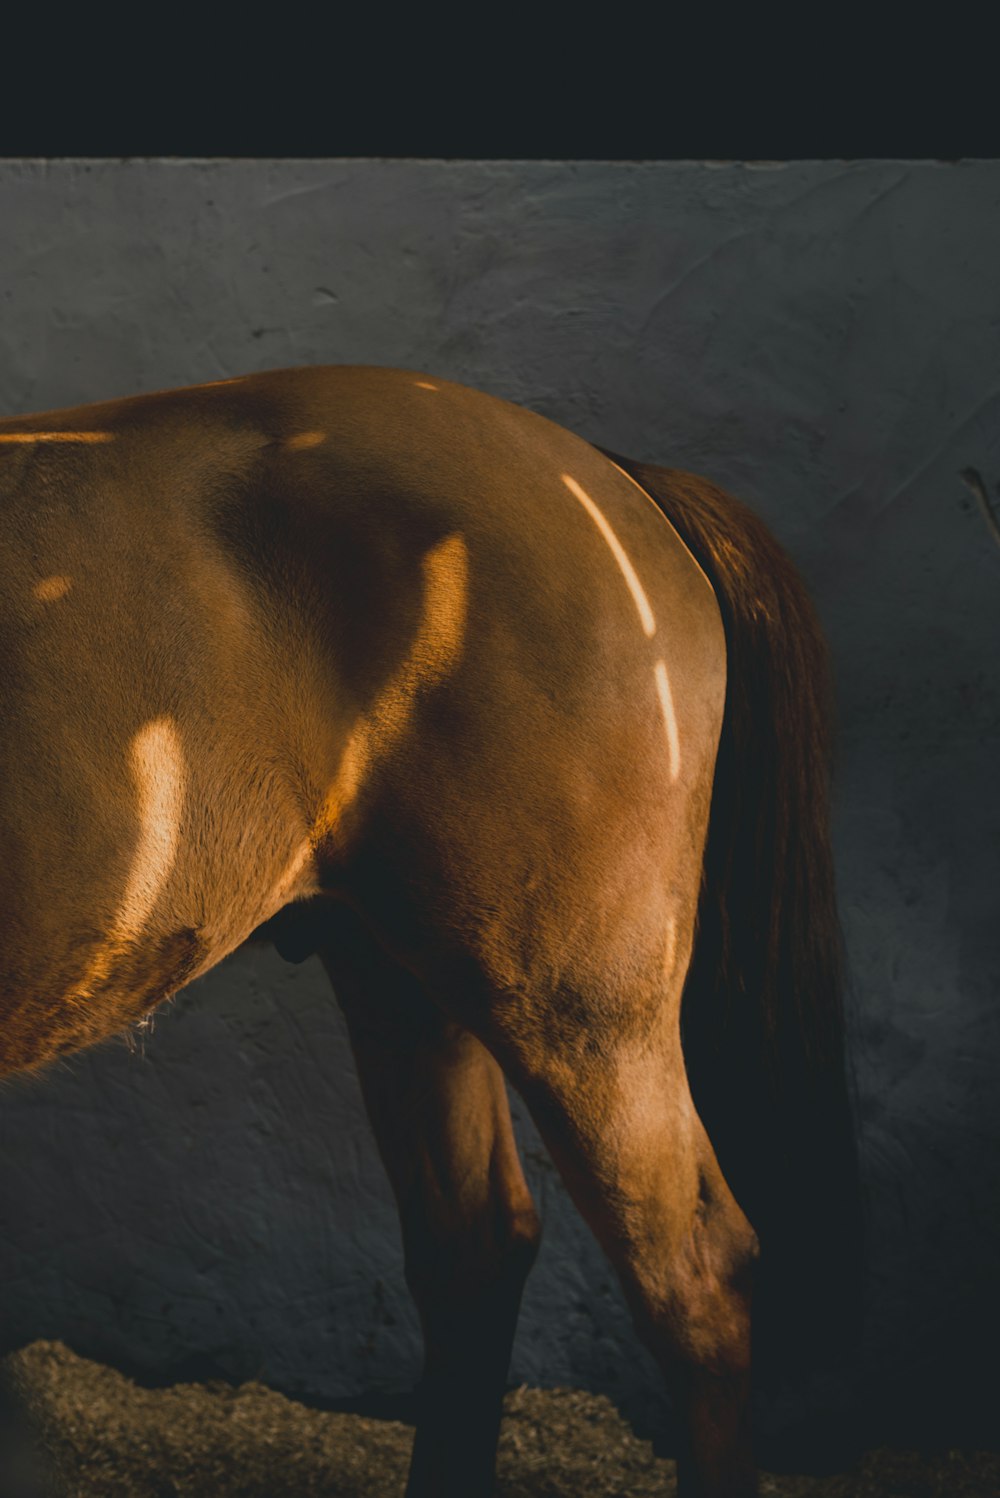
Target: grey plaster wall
{"points": [[822, 338]]}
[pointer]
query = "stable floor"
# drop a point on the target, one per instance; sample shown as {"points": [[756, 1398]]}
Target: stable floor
{"points": [[76, 1429]]}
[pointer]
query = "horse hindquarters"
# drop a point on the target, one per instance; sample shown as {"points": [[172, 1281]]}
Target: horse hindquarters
{"points": [[536, 860]]}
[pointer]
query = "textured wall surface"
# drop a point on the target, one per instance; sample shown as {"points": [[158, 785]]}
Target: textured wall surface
{"points": [[822, 338]]}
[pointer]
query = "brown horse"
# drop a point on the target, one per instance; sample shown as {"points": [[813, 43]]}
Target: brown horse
{"points": [[377, 666]]}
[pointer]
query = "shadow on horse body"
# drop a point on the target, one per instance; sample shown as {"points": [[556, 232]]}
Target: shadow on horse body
{"points": [[383, 668]]}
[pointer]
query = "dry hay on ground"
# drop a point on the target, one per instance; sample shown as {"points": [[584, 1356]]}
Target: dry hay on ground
{"points": [[107, 1438]]}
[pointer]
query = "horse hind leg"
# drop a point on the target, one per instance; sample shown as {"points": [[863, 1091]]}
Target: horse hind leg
{"points": [[438, 1105], [618, 1119]]}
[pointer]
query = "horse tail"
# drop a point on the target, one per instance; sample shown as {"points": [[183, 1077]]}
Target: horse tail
{"points": [[763, 1016]]}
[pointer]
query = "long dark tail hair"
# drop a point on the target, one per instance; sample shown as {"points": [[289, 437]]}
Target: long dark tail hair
{"points": [[763, 1020]]}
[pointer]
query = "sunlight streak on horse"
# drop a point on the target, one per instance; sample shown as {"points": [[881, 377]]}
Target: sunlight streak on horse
{"points": [[49, 589], [434, 651], [57, 436], [158, 770], [618, 551], [669, 717], [670, 948]]}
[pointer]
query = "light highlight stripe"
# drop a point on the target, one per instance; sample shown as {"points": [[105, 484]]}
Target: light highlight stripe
{"points": [[435, 650], [618, 551], [157, 764], [52, 588], [669, 717], [156, 761], [57, 436]]}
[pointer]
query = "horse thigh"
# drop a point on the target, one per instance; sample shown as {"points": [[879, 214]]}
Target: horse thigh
{"points": [[438, 1105]]}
